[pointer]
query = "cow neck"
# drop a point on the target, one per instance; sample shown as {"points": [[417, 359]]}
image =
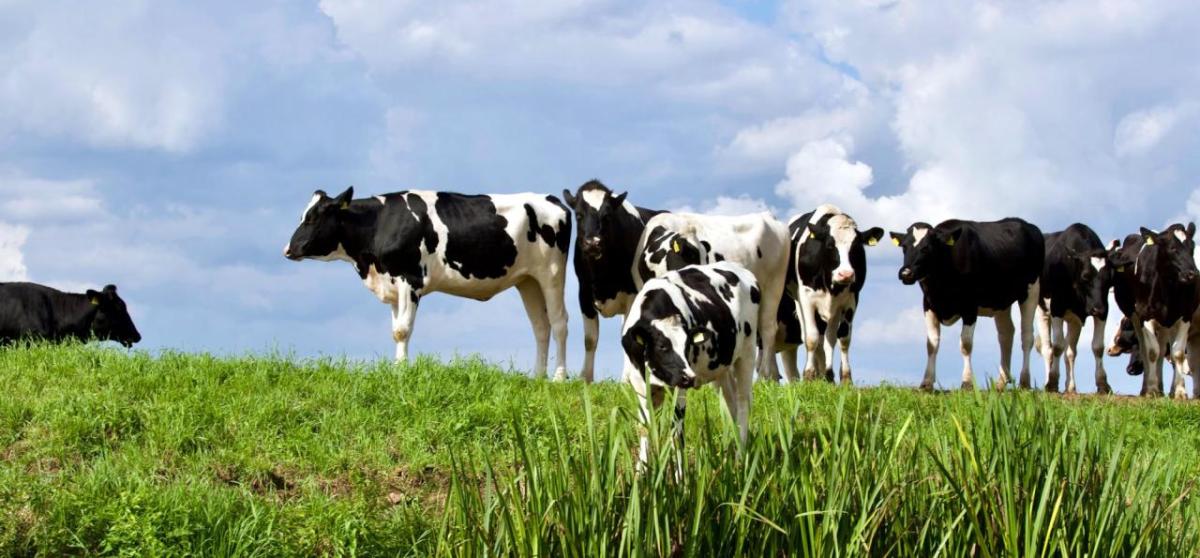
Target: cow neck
{"points": [[617, 263], [357, 233], [75, 314]]}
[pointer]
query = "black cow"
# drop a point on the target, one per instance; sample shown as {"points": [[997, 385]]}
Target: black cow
{"points": [[1125, 342], [1075, 282], [969, 269], [1166, 296], [408, 244], [32, 311], [828, 272], [609, 229]]}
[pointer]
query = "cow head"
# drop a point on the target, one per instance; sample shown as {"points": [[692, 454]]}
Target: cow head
{"points": [[924, 248], [319, 234], [1092, 275], [111, 322], [660, 347], [596, 212], [835, 246], [1175, 247]]}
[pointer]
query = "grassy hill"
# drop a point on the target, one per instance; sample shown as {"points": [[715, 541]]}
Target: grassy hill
{"points": [[137, 454]]}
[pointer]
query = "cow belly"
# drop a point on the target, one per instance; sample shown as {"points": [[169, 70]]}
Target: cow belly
{"points": [[382, 285], [618, 305]]}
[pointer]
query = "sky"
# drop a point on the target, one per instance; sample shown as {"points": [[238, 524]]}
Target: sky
{"points": [[170, 148]]}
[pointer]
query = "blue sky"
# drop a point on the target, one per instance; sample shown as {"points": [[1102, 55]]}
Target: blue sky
{"points": [[170, 148]]}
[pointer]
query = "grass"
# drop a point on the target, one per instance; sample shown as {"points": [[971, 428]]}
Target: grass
{"points": [[106, 452]]}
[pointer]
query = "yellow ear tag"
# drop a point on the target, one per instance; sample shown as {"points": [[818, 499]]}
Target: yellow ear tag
{"points": [[699, 337], [950, 241], [639, 340], [95, 301], [872, 242], [896, 241], [1149, 241], [345, 205], [675, 246], [1120, 269]]}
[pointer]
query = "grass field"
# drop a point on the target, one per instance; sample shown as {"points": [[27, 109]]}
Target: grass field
{"points": [[113, 453]]}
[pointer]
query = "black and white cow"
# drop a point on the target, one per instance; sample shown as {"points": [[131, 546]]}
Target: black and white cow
{"points": [[828, 275], [757, 242], [1166, 298], [608, 231], [1076, 278], [408, 244], [969, 269], [32, 311], [691, 327]]}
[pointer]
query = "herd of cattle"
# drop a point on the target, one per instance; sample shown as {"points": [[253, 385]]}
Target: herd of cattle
{"points": [[715, 298]]}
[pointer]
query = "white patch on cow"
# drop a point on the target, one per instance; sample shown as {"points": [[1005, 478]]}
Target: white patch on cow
{"points": [[1182, 236], [844, 231], [382, 200], [338, 254], [919, 234], [1098, 263], [594, 198], [316, 198]]}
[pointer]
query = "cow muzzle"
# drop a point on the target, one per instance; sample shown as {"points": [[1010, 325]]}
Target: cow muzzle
{"points": [[843, 277], [907, 276], [591, 247], [287, 253]]}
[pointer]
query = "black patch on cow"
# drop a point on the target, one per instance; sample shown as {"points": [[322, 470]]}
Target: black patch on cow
{"points": [[755, 295], [758, 250], [429, 236], [729, 276], [535, 229], [746, 329], [389, 236], [477, 246], [562, 237]]}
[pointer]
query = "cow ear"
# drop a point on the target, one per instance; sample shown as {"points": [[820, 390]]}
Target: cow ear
{"points": [[620, 198], [93, 297], [699, 336], [568, 197], [953, 236], [343, 199], [1191, 230], [897, 238], [1112, 246], [872, 236], [1148, 235], [110, 289]]}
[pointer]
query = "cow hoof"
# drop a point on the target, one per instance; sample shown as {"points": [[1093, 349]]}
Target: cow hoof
{"points": [[846, 381], [1025, 384], [1071, 391], [829, 375], [1050, 387], [1179, 394], [926, 386], [968, 386], [1103, 389]]}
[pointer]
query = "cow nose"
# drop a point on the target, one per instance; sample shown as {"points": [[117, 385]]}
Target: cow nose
{"points": [[1188, 276], [843, 276], [591, 246], [287, 250], [906, 274]]}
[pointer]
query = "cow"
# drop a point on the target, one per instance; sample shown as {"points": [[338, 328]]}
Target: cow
{"points": [[968, 269], [405, 245], [830, 267], [1076, 278], [1166, 297], [758, 242], [608, 231], [1125, 342], [690, 327], [32, 311]]}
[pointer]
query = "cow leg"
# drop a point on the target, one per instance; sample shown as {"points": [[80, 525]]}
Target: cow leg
{"points": [[812, 337], [1004, 334], [1098, 351], [591, 336], [830, 347], [1046, 338], [790, 356], [1151, 356], [1057, 342], [1027, 307], [404, 313], [535, 307], [1074, 328], [845, 346], [966, 343], [933, 338], [556, 311], [1179, 362], [737, 389], [768, 326]]}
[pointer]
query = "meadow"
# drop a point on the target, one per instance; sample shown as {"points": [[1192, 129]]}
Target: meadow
{"points": [[131, 453]]}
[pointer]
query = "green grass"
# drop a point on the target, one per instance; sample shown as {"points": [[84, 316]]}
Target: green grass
{"points": [[103, 452]]}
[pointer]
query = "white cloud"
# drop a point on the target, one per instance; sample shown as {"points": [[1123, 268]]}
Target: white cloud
{"points": [[728, 205], [1140, 131], [12, 261], [28, 199]]}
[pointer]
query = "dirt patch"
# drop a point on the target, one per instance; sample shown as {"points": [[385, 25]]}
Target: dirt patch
{"points": [[272, 482], [429, 486]]}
